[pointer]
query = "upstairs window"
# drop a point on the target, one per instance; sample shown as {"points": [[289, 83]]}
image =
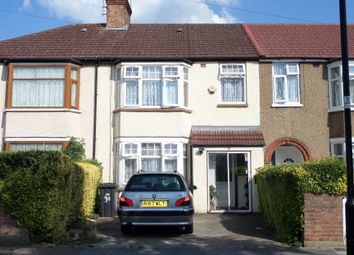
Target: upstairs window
{"points": [[336, 85], [233, 85], [34, 86], [286, 84], [154, 86]]}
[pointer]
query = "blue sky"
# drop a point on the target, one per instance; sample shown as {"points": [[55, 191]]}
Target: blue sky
{"points": [[20, 17]]}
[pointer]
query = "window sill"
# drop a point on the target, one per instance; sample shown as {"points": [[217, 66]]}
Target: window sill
{"points": [[287, 105], [157, 109], [232, 105], [42, 110], [339, 109]]}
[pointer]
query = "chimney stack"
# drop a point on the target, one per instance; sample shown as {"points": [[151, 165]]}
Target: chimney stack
{"points": [[118, 14]]}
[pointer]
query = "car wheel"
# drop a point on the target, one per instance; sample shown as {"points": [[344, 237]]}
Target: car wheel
{"points": [[126, 229], [188, 229]]}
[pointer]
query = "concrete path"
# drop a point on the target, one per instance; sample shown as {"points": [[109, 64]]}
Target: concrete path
{"points": [[214, 234]]}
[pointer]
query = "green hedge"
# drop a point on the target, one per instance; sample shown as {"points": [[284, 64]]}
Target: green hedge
{"points": [[281, 193], [92, 179], [44, 192]]}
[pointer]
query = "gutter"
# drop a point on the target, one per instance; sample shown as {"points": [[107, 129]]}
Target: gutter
{"points": [[95, 114]]}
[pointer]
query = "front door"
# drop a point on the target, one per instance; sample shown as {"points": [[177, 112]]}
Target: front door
{"points": [[229, 182]]}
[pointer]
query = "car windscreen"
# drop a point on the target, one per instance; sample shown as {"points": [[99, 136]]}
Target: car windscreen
{"points": [[155, 182]]}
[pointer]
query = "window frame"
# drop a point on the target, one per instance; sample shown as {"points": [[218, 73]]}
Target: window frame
{"points": [[9, 143], [340, 79], [183, 90], [68, 84], [285, 102], [233, 75]]}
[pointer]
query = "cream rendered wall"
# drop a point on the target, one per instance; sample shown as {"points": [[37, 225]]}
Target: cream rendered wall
{"points": [[204, 104], [200, 175], [3, 79], [104, 133]]}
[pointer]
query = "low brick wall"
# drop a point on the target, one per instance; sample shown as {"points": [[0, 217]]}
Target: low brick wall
{"points": [[10, 233], [323, 221]]}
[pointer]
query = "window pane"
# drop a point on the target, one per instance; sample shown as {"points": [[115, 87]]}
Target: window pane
{"points": [[186, 73], [335, 73], [351, 70], [39, 72], [131, 71], [280, 69], [151, 149], [152, 72], [152, 93], [293, 89], [73, 94], [232, 69], [336, 93], [74, 74], [185, 150], [293, 68], [131, 148], [338, 149], [280, 89], [170, 149], [130, 168], [132, 92], [38, 147], [38, 93], [232, 90], [171, 71], [171, 92], [151, 164], [351, 91], [171, 165], [186, 99]]}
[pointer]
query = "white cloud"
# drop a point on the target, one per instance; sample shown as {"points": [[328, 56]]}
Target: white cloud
{"points": [[26, 4], [144, 11]]}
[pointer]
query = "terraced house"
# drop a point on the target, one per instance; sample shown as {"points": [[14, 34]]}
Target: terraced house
{"points": [[213, 102]]}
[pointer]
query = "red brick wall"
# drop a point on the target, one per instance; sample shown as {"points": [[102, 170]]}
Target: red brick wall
{"points": [[323, 221]]}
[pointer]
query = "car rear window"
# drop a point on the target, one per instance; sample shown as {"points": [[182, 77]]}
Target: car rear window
{"points": [[158, 182]]}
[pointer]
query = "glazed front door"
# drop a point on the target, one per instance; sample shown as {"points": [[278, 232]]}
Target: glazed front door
{"points": [[229, 188]]}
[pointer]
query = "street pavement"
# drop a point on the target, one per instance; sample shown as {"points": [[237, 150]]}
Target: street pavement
{"points": [[227, 234]]}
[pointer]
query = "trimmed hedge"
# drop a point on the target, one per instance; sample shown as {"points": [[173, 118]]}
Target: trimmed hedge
{"points": [[281, 192], [92, 179], [44, 192]]}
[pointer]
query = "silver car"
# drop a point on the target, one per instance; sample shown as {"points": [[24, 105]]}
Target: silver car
{"points": [[161, 199]]}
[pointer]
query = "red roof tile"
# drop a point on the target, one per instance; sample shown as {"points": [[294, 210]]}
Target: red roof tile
{"points": [[298, 40], [227, 136], [140, 42]]}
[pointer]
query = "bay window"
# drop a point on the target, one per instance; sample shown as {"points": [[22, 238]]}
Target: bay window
{"points": [[40, 86], [151, 157], [154, 85], [336, 85], [286, 84], [233, 84]]}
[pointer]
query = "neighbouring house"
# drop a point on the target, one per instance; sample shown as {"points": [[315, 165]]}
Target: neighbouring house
{"points": [[211, 101]]}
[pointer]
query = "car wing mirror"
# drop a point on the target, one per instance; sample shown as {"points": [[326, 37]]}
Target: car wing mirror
{"points": [[193, 187]]}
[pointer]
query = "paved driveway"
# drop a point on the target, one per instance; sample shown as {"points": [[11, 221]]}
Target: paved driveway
{"points": [[213, 234]]}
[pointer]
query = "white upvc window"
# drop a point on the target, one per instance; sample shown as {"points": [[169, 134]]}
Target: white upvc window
{"points": [[233, 83], [154, 85], [335, 77], [150, 157], [286, 84], [338, 148]]}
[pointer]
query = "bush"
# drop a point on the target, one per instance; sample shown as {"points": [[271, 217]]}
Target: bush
{"points": [[75, 149], [281, 193], [92, 179], [46, 192]]}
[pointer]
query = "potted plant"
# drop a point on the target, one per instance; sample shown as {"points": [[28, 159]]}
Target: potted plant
{"points": [[212, 197]]}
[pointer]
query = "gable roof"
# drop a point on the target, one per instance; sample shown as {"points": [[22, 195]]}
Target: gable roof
{"points": [[93, 42], [298, 40]]}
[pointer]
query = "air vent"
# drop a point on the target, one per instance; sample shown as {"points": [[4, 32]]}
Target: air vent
{"points": [[83, 30], [179, 30]]}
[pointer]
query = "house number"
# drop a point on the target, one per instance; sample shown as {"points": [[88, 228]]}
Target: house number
{"points": [[107, 197]]}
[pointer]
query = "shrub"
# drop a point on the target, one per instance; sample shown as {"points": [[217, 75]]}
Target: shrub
{"points": [[75, 149], [42, 191], [92, 179], [281, 192]]}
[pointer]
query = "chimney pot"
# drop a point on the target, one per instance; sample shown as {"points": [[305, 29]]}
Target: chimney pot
{"points": [[118, 13]]}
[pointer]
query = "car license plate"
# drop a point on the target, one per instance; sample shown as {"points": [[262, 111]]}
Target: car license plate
{"points": [[153, 203]]}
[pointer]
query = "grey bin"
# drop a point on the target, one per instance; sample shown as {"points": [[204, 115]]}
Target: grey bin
{"points": [[108, 197]]}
